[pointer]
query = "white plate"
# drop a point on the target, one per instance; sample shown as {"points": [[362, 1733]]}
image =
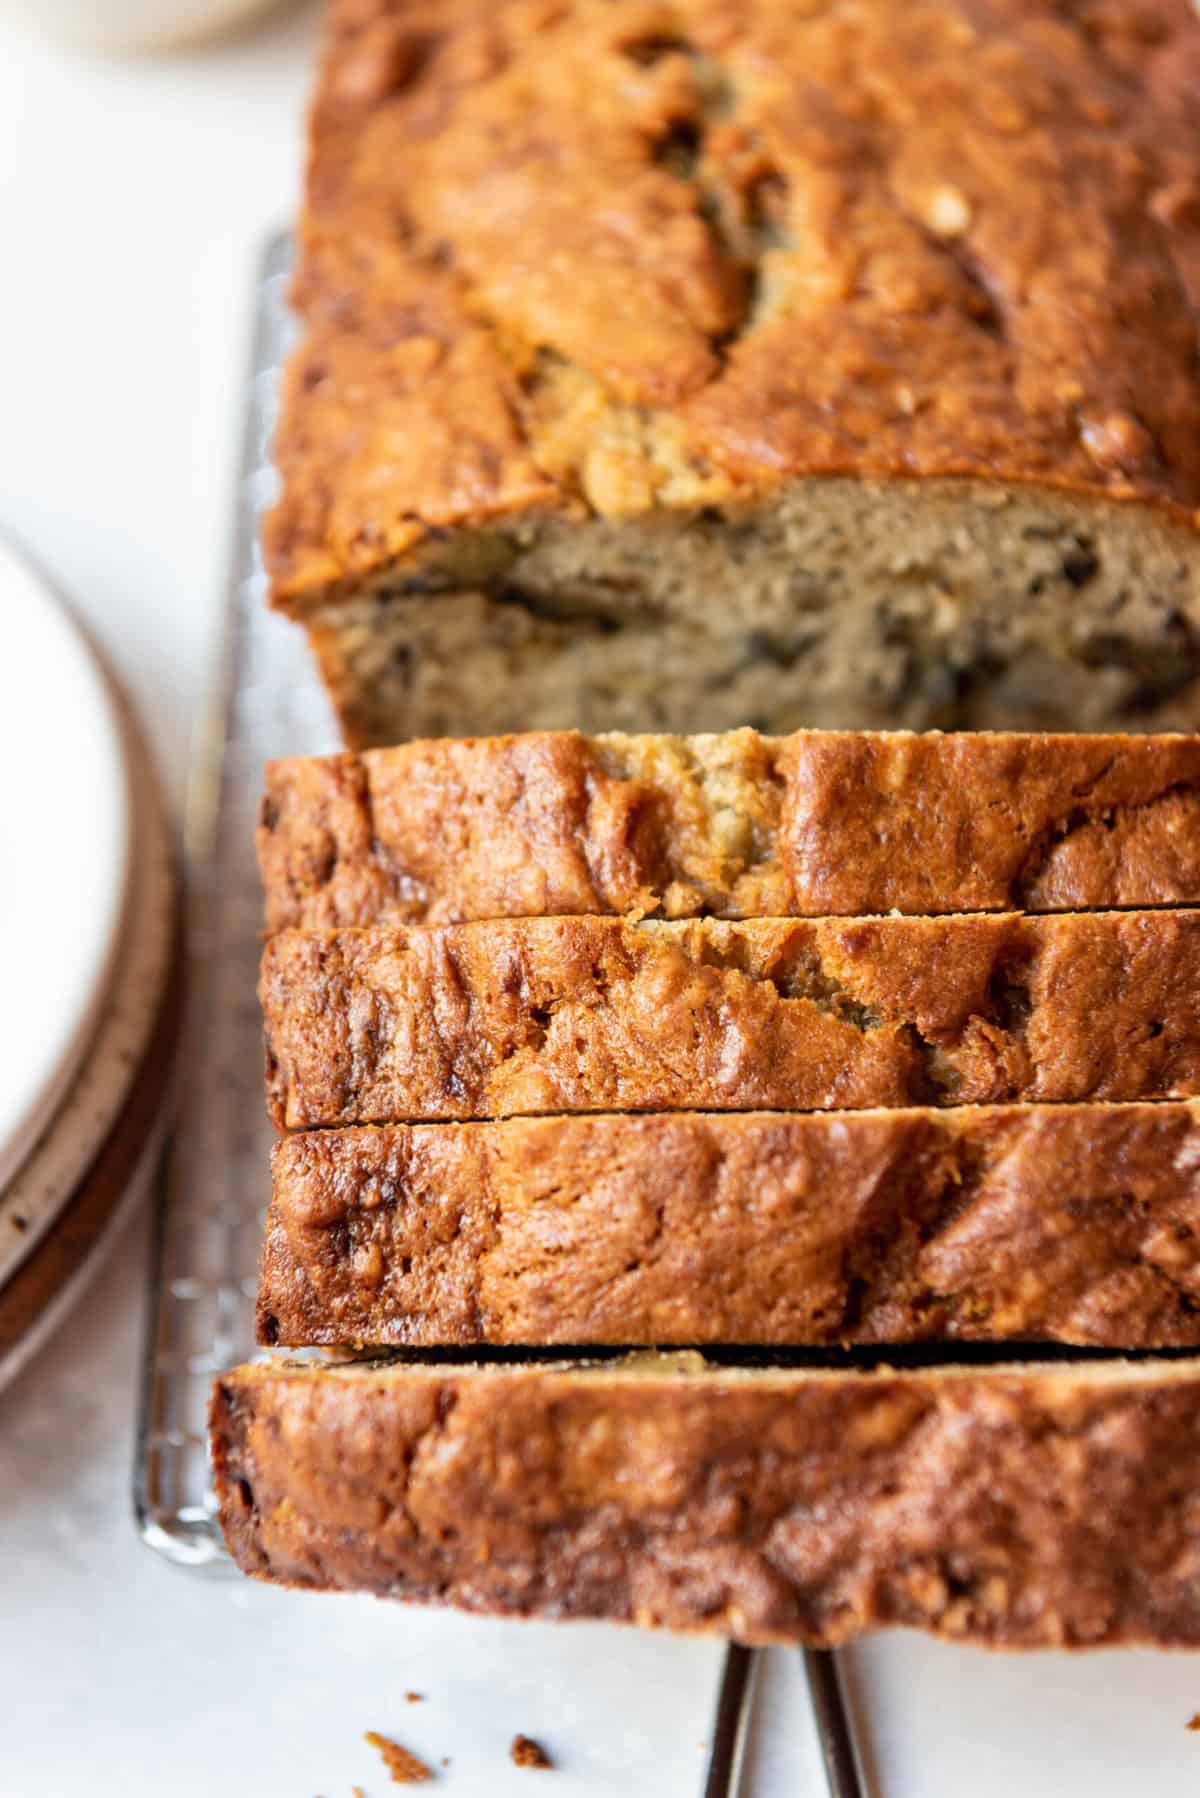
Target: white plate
{"points": [[47, 1180], [76, 1283], [64, 852]]}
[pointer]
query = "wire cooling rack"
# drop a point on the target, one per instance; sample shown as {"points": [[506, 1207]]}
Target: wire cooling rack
{"points": [[268, 701]]}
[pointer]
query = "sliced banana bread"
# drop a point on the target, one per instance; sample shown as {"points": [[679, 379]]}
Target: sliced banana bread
{"points": [[603, 1014], [1047, 1506], [1076, 1223], [821, 823]]}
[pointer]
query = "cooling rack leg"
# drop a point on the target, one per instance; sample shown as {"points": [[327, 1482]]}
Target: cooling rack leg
{"points": [[729, 1728], [833, 1724]]}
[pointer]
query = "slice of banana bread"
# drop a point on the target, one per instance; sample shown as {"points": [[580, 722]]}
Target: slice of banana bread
{"points": [[821, 823], [603, 1014], [1071, 1223], [1048, 1506], [739, 363]]}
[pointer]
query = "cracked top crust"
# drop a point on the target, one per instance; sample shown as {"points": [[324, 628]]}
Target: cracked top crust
{"points": [[533, 1015], [735, 825], [573, 256]]}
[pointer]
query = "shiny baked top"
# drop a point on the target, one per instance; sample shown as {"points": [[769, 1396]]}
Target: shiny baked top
{"points": [[605, 256]]}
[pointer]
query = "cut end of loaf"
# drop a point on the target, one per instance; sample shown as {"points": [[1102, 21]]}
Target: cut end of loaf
{"points": [[765, 1369], [837, 602]]}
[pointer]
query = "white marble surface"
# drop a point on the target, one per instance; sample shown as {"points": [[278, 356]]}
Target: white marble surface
{"points": [[132, 196]]}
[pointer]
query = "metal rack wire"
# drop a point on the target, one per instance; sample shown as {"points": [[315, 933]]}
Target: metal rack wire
{"points": [[266, 701]]}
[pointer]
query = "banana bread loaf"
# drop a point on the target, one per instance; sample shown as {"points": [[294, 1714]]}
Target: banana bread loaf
{"points": [[1073, 1223], [603, 1014], [738, 825], [677, 361], [1039, 1507]]}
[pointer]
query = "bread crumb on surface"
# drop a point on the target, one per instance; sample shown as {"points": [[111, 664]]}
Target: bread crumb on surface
{"points": [[406, 1768], [526, 1752], [1195, 1721], [415, 1697]]}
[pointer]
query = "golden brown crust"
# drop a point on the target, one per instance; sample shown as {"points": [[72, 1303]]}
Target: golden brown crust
{"points": [[739, 825], [1014, 1507], [912, 240], [1066, 1223], [599, 1014]]}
